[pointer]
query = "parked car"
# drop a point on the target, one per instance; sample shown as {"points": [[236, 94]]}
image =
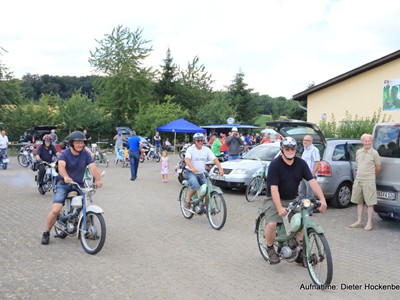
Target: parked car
{"points": [[337, 170], [387, 142], [36, 133], [239, 172]]}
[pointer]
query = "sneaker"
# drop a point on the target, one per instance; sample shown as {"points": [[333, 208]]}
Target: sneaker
{"points": [[45, 238], [273, 257]]}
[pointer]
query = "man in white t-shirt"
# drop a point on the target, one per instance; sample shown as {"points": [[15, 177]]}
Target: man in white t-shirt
{"points": [[196, 157], [4, 141], [312, 158]]}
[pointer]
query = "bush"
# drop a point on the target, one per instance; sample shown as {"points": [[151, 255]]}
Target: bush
{"points": [[349, 128]]}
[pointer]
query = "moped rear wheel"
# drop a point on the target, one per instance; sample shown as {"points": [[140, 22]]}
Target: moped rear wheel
{"points": [[319, 261], [157, 157], [182, 199], [260, 228], [93, 240], [22, 160], [216, 211], [254, 188]]}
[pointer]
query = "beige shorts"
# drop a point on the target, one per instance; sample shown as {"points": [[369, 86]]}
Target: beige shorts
{"points": [[271, 213], [364, 192]]}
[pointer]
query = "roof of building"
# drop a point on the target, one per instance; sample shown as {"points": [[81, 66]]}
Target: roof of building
{"points": [[302, 96]]}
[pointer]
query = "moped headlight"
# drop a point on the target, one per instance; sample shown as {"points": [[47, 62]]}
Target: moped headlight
{"points": [[306, 203]]}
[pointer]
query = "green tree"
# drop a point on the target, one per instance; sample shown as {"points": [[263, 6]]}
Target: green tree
{"points": [[149, 118], [194, 86], [126, 85], [242, 98], [166, 85], [80, 113], [10, 91], [216, 111]]}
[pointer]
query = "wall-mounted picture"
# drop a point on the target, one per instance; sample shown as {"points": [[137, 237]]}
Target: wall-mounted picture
{"points": [[391, 99]]}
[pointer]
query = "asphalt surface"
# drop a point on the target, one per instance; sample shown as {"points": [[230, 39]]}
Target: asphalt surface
{"points": [[152, 252]]}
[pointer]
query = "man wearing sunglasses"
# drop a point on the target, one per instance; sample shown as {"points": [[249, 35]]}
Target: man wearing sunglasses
{"points": [[284, 176], [196, 157]]}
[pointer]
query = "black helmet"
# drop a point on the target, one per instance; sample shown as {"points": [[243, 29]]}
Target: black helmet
{"points": [[288, 142], [76, 136]]}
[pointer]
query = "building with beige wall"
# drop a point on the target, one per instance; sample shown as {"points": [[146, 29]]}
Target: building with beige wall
{"points": [[358, 92]]}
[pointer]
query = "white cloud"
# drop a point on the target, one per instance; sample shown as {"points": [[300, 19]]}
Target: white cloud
{"points": [[280, 45]]}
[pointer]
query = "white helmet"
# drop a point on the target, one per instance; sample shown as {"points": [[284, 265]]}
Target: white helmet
{"points": [[198, 136]]}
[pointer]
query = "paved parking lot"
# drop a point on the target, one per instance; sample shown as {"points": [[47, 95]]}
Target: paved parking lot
{"points": [[152, 252]]}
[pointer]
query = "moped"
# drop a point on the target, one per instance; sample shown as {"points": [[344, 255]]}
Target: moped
{"points": [[80, 217], [49, 179], [316, 254], [4, 160], [209, 200], [25, 157]]}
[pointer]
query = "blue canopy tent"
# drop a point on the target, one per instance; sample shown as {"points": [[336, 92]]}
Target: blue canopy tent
{"points": [[180, 126], [227, 127]]}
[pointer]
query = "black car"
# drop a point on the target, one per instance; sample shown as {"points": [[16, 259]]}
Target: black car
{"points": [[36, 133]]}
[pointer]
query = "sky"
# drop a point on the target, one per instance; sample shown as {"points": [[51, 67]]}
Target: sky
{"points": [[281, 46]]}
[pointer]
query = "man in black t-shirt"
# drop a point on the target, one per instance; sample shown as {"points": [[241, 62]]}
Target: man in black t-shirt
{"points": [[45, 152], [284, 175]]}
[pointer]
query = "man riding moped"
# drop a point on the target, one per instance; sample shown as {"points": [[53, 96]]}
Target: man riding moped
{"points": [[196, 157], [45, 152], [284, 175], [72, 163]]}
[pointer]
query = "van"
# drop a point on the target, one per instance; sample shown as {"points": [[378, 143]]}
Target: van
{"points": [[386, 142]]}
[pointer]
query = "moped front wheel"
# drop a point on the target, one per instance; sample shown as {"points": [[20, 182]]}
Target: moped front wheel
{"points": [[182, 154], [319, 260], [94, 238], [254, 188], [182, 199], [157, 157], [141, 158], [260, 228], [216, 211], [22, 160]]}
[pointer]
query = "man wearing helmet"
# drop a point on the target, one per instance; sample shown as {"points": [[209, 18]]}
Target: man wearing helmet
{"points": [[196, 157], [284, 175], [72, 163], [45, 152]]}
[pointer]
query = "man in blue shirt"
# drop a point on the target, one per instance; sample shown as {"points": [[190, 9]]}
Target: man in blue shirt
{"points": [[134, 146], [45, 152]]}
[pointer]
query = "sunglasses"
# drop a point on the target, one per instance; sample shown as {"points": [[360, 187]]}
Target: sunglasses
{"points": [[290, 149], [199, 140]]}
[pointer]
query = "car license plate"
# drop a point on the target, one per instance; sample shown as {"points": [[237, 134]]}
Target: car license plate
{"points": [[386, 195]]}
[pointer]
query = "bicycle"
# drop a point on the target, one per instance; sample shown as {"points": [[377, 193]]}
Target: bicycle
{"points": [[316, 253], [257, 184], [209, 200]]}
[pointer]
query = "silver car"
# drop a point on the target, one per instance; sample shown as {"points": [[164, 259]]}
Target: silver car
{"points": [[337, 170], [239, 172]]}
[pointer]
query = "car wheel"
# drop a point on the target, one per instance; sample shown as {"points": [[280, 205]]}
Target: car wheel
{"points": [[384, 217], [342, 196]]}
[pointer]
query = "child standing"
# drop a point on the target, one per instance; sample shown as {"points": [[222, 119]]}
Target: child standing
{"points": [[164, 166]]}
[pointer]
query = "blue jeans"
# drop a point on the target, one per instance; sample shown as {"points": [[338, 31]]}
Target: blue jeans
{"points": [[4, 152], [134, 156], [195, 180]]}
